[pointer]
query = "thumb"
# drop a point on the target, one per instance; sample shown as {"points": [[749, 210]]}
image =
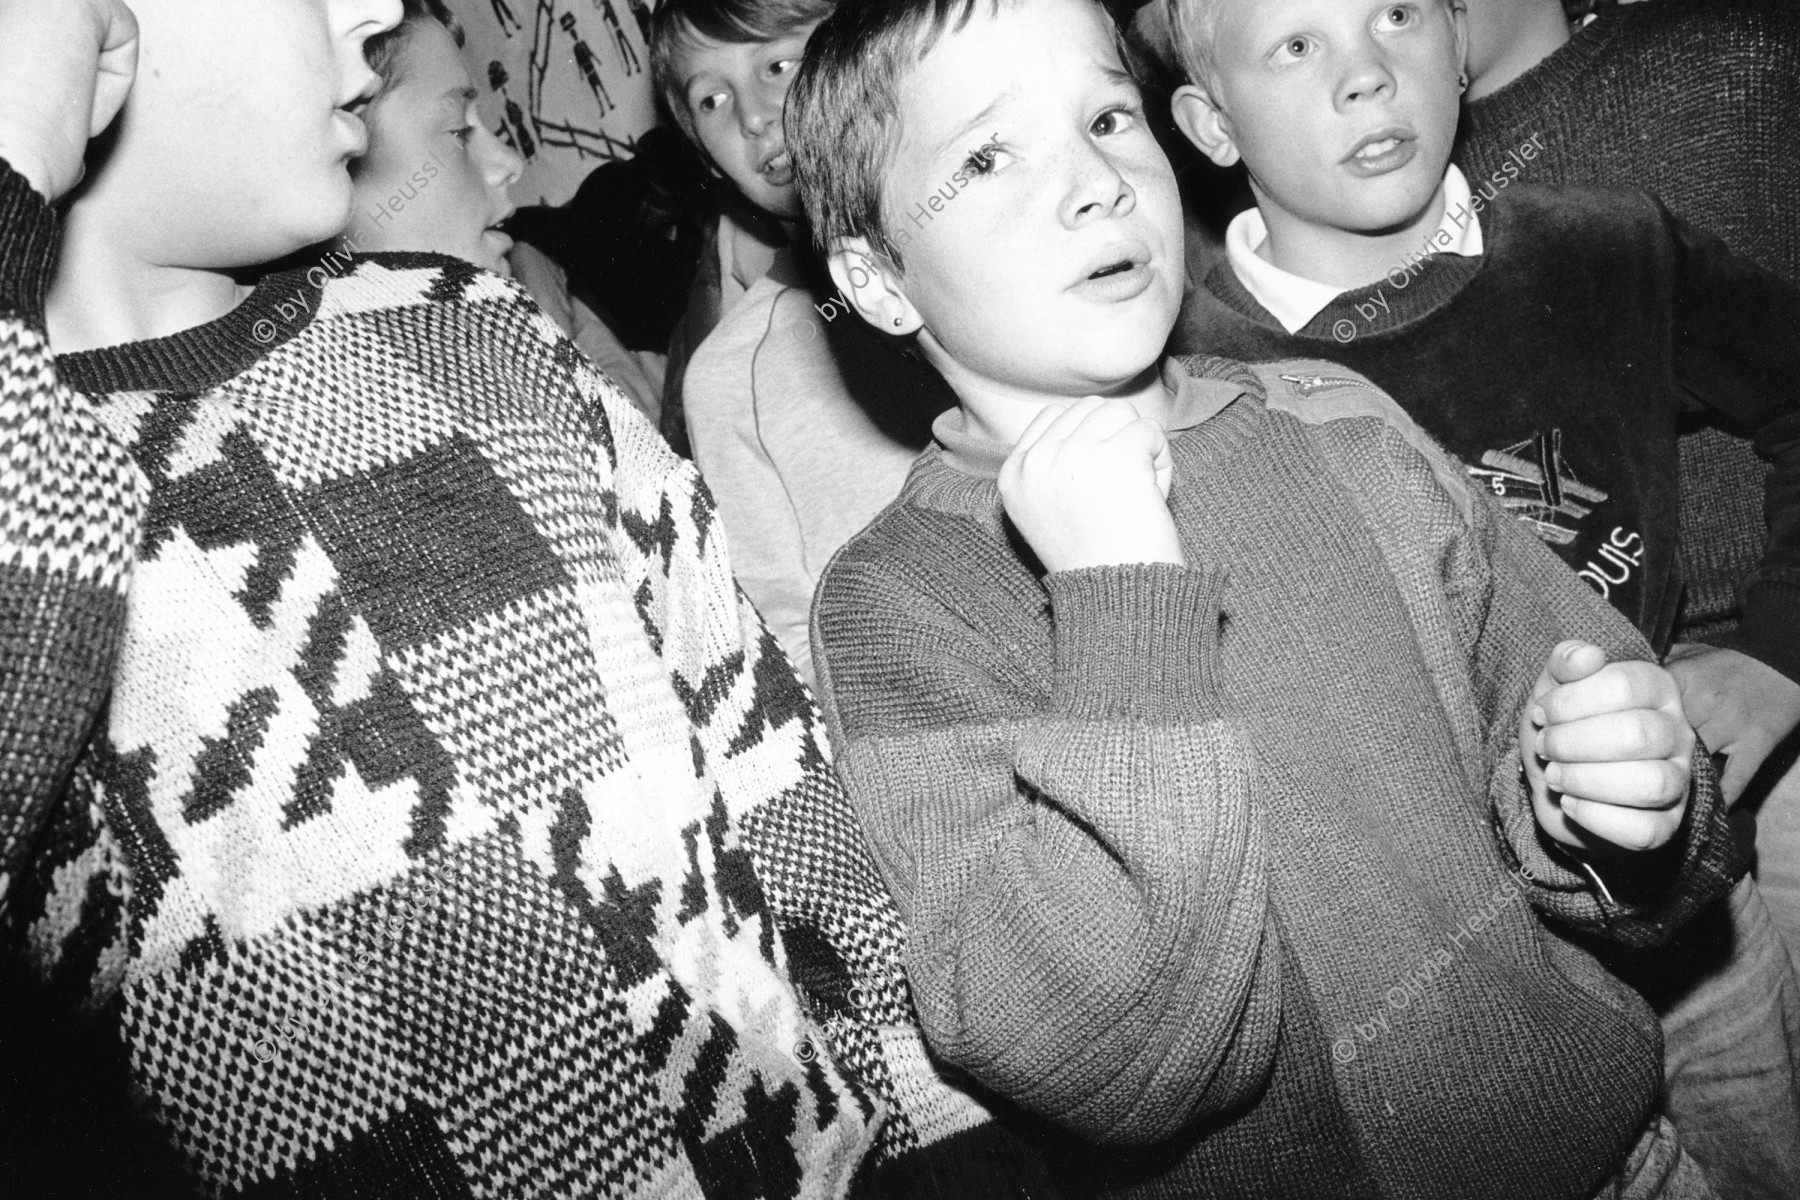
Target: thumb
{"points": [[1739, 770], [1165, 469], [117, 67], [1574, 660]]}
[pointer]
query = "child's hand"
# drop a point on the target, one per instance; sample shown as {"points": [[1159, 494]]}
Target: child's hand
{"points": [[1088, 486], [1741, 708], [65, 69], [1613, 757]]}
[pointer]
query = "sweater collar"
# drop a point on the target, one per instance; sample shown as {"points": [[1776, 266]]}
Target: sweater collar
{"points": [[1294, 300], [1198, 398], [199, 359]]}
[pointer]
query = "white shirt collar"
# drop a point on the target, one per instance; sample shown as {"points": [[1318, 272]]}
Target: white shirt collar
{"points": [[1294, 301]]}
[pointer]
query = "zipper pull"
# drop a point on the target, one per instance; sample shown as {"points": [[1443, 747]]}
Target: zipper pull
{"points": [[1306, 385]]}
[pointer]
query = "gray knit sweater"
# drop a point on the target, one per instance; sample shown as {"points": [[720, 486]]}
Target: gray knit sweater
{"points": [[1235, 860]]}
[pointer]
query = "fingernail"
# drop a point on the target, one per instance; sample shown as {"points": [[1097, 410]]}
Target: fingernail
{"points": [[1537, 715], [1537, 744], [1553, 774]]}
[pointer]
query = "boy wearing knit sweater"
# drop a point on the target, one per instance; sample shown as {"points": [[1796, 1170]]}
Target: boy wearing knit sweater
{"points": [[1554, 340], [1199, 713], [388, 763]]}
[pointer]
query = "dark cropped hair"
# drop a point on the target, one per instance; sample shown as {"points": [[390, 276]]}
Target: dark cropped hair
{"points": [[383, 52], [731, 22], [843, 112]]}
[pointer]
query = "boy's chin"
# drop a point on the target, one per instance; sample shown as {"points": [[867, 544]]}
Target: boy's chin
{"points": [[783, 204]]}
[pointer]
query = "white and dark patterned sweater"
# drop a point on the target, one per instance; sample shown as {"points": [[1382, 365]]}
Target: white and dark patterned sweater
{"points": [[388, 755]]}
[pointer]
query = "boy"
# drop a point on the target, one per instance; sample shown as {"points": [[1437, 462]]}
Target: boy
{"points": [[1551, 340], [360, 609], [1698, 103], [1183, 702], [803, 425], [436, 178]]}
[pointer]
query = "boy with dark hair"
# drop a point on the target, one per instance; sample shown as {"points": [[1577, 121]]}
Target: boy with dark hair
{"points": [[1192, 708], [1551, 339], [803, 425], [389, 760]]}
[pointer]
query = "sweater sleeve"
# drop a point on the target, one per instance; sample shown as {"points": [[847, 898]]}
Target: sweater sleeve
{"points": [[1517, 601], [70, 504], [1080, 869], [1736, 349]]}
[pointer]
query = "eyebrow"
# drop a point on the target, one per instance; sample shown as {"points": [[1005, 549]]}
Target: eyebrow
{"points": [[1122, 77], [955, 140], [457, 99]]}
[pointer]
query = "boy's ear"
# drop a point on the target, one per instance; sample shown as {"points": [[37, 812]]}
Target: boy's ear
{"points": [[1459, 22], [1204, 123], [873, 287]]}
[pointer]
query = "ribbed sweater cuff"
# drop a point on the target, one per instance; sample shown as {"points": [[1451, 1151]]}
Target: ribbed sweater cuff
{"points": [[1771, 627], [28, 238], [1137, 641]]}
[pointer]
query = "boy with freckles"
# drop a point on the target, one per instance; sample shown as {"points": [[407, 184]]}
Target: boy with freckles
{"points": [[1554, 340], [1191, 706]]}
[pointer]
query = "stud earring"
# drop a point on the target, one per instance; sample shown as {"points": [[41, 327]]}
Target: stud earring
{"points": [[1462, 82], [896, 322]]}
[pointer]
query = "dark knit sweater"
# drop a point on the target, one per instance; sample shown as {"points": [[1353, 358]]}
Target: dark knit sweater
{"points": [[1190, 855], [1558, 367], [1698, 102], [453, 827]]}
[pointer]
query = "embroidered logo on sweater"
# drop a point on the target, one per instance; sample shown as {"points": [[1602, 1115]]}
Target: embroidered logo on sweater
{"points": [[1532, 481]]}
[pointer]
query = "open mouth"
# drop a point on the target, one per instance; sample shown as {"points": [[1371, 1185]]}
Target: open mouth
{"points": [[1382, 151], [1120, 273], [351, 119], [1379, 144], [778, 169]]}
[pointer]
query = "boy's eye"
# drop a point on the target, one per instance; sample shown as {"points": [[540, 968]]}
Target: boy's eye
{"points": [[981, 160], [1293, 48], [1397, 17], [1114, 120], [782, 66], [710, 103]]}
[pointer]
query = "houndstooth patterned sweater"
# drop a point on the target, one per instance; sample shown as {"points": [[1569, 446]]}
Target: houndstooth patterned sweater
{"points": [[453, 826]]}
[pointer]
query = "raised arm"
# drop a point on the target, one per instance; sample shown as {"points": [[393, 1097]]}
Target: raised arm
{"points": [[69, 497], [1080, 868]]}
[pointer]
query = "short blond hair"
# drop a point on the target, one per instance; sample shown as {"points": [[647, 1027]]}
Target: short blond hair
{"points": [[1191, 27]]}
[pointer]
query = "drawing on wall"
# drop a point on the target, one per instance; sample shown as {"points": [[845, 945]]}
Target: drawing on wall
{"points": [[568, 84]]}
